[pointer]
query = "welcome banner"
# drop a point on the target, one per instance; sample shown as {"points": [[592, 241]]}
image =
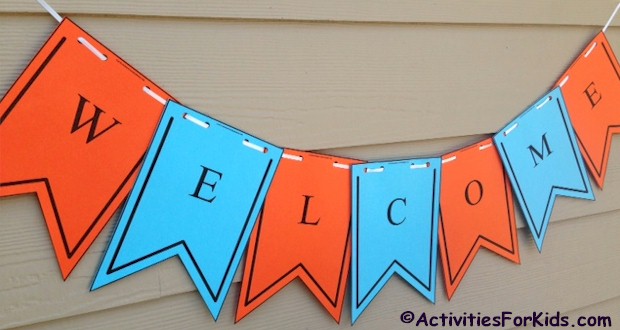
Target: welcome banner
{"points": [[203, 185]]}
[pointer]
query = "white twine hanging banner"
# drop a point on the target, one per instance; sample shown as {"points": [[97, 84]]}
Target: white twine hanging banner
{"points": [[50, 10], [611, 18]]}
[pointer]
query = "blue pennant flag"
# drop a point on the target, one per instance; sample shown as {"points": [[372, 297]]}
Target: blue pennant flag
{"points": [[197, 197], [395, 216], [542, 159]]}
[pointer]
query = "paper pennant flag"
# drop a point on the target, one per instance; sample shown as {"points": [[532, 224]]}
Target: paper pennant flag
{"points": [[476, 210], [591, 89], [197, 197], [74, 129], [303, 232], [540, 153], [394, 228]]}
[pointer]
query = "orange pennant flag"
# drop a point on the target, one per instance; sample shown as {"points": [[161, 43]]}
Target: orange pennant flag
{"points": [[476, 210], [74, 128], [591, 89], [303, 232]]}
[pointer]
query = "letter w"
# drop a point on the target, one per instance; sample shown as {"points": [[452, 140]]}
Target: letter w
{"points": [[77, 122], [540, 154]]}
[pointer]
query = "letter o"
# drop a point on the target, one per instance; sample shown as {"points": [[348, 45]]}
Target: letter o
{"points": [[467, 194]]}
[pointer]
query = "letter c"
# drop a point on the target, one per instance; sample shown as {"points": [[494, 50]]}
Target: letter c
{"points": [[389, 211]]}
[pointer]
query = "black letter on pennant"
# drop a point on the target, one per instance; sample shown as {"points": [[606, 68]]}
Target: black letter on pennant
{"points": [[303, 217], [203, 182], [468, 198], [540, 154], [593, 95], [92, 132], [389, 211]]}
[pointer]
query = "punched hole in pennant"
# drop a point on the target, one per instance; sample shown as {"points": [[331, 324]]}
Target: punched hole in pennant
{"points": [[415, 166], [342, 166], [545, 101], [251, 145], [195, 120], [512, 128], [486, 146], [154, 95], [563, 82], [374, 170], [447, 160], [292, 157], [590, 50], [92, 48]]}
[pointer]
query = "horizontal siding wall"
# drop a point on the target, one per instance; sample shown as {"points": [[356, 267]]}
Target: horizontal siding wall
{"points": [[362, 79]]}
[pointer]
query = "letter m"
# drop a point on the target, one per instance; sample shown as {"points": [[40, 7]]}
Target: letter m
{"points": [[93, 121], [540, 154]]}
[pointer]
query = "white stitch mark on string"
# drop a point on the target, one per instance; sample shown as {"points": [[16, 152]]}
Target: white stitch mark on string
{"points": [[545, 101], [254, 146], [590, 50], [506, 132], [611, 18], [50, 10], [419, 166], [486, 146], [447, 160], [292, 157], [342, 166], [374, 170], [196, 120], [563, 82], [92, 49], [153, 95]]}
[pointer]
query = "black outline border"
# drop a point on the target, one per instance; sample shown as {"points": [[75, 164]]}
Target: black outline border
{"points": [[395, 262], [334, 303], [599, 171], [215, 297], [552, 193], [68, 250], [58, 30], [512, 235]]}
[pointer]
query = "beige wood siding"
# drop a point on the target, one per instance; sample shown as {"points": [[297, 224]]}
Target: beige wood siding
{"points": [[373, 80]]}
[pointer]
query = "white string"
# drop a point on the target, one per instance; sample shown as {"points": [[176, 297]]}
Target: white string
{"points": [[543, 102], [506, 132], [292, 157], [486, 146], [563, 82], [50, 10], [92, 48], [447, 160], [254, 146], [153, 95], [195, 120], [374, 170], [419, 166], [590, 50], [611, 18]]}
